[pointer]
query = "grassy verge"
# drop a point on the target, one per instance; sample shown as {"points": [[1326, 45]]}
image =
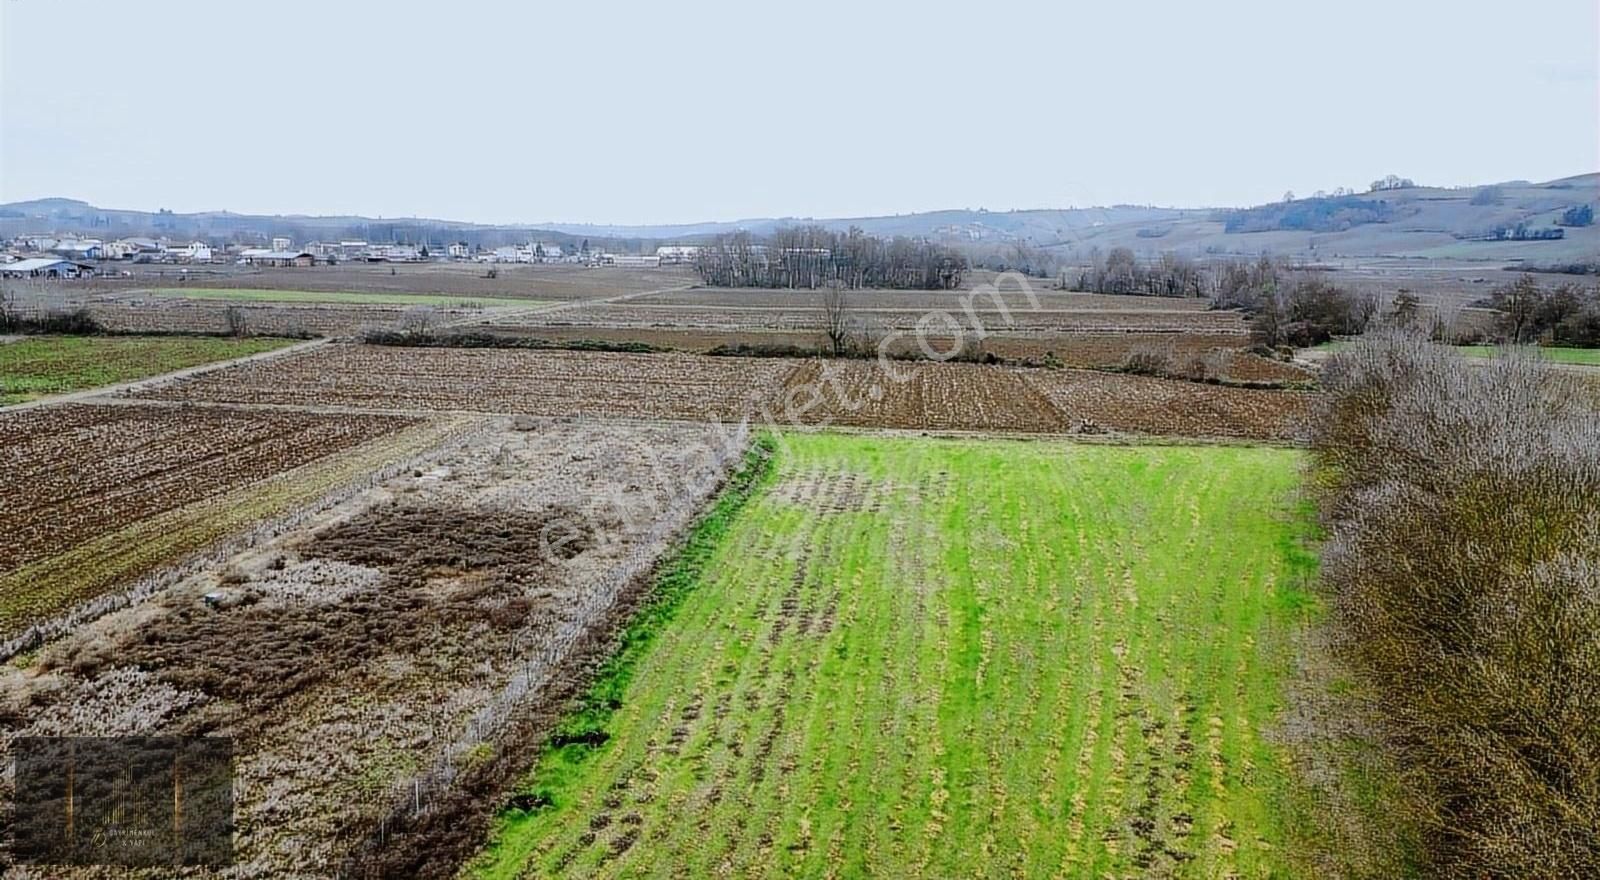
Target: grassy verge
{"points": [[914, 657], [1589, 357], [341, 296], [44, 365]]}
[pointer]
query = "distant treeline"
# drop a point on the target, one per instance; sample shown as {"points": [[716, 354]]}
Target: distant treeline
{"points": [[812, 257], [1520, 232], [1120, 271], [1330, 214]]}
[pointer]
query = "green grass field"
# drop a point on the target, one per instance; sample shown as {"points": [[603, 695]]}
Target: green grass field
{"points": [[341, 297], [43, 365], [938, 658], [1589, 357]]}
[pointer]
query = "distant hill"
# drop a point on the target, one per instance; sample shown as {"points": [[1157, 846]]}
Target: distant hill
{"points": [[1454, 224], [1449, 224]]}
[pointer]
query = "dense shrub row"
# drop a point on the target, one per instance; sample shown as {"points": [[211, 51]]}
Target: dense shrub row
{"points": [[1463, 574]]}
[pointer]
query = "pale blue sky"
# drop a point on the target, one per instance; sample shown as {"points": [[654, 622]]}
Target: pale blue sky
{"points": [[685, 111]]}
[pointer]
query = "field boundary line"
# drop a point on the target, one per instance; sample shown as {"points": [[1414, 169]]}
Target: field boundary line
{"points": [[163, 378]]}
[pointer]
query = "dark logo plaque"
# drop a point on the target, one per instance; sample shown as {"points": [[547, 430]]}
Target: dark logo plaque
{"points": [[133, 801]]}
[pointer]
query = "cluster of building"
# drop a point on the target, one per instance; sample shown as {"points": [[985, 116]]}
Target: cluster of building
{"points": [[51, 257]]}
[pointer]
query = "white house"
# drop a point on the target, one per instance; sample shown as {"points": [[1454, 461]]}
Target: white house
{"points": [[459, 250], [282, 243]]}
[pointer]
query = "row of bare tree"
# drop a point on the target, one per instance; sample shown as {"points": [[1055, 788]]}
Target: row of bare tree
{"points": [[811, 257], [1120, 271]]}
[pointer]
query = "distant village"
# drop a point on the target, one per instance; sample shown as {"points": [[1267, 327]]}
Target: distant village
{"points": [[70, 257]]}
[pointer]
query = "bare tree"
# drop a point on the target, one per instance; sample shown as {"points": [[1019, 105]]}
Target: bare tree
{"points": [[836, 317], [237, 326], [1518, 300]]}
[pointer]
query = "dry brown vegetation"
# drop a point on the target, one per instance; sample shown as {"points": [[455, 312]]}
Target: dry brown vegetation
{"points": [[1463, 571], [393, 638]]}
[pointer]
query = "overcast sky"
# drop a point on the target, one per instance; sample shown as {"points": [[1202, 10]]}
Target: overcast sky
{"points": [[684, 111]]}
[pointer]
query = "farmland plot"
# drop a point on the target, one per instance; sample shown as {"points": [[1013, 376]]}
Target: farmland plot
{"points": [[531, 282], [924, 300], [93, 496], [380, 640], [172, 315], [243, 294], [1143, 405], [643, 313], [546, 383], [969, 397], [1087, 350], [43, 365], [932, 395], [924, 658]]}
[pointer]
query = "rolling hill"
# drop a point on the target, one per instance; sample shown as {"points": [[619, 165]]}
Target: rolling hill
{"points": [[1420, 222]]}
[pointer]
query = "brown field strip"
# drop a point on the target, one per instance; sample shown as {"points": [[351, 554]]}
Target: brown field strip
{"points": [[546, 383], [905, 394]]}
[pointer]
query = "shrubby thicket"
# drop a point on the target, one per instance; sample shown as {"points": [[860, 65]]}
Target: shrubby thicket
{"points": [[1462, 570]]}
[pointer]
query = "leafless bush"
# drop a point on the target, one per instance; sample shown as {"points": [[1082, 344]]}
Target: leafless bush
{"points": [[1149, 360], [1463, 572], [417, 321]]}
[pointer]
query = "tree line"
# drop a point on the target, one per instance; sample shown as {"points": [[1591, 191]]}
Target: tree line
{"points": [[811, 257]]}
